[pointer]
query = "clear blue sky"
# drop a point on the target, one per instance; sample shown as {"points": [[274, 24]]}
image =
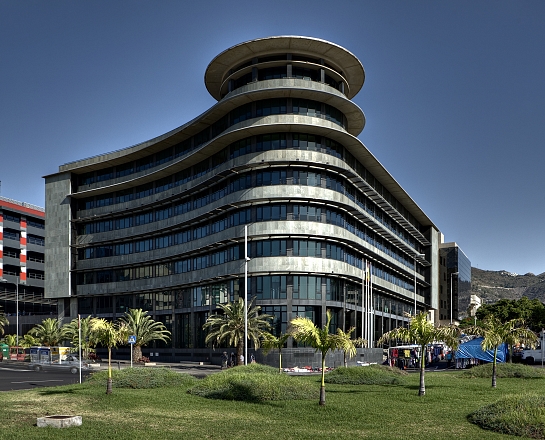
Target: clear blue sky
{"points": [[454, 96]]}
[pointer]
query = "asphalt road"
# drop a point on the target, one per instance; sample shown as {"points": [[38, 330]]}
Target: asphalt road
{"points": [[15, 376]]}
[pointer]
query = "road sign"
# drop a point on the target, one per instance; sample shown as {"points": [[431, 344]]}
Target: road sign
{"points": [[132, 339]]}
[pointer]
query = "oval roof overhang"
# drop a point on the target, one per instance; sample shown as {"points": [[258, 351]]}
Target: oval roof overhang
{"points": [[345, 61]]}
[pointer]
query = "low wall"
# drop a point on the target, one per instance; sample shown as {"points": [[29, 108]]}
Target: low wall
{"points": [[291, 357]]}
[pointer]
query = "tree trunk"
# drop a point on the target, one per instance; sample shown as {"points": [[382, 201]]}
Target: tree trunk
{"points": [[322, 386], [280, 360], [422, 389], [494, 368], [136, 353], [109, 383], [322, 395], [240, 353]]}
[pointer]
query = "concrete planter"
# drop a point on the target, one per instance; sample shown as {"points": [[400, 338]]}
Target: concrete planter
{"points": [[59, 421]]}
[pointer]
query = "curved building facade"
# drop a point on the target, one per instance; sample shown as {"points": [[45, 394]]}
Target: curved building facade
{"points": [[161, 225]]}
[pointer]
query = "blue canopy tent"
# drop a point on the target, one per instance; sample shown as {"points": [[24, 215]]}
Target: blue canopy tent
{"points": [[472, 350]]}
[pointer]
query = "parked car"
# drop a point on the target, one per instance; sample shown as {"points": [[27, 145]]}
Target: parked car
{"points": [[71, 364], [530, 356]]}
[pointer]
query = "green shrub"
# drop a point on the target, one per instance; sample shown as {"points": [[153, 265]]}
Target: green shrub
{"points": [[522, 415], [504, 370], [142, 377], [369, 375], [252, 368], [254, 384]]}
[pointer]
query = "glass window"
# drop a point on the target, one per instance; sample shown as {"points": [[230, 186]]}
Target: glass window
{"points": [[274, 106], [144, 190], [104, 304], [144, 301], [85, 306], [123, 303], [266, 142], [144, 163], [164, 156], [241, 114], [163, 300], [105, 174], [124, 170], [124, 196], [272, 73]]}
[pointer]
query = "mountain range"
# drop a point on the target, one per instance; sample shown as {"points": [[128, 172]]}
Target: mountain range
{"points": [[491, 286]]}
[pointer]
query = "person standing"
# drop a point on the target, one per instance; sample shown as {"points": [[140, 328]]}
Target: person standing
{"points": [[449, 358], [224, 360]]}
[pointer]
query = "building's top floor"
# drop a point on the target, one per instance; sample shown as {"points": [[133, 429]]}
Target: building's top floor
{"points": [[21, 208], [453, 245], [263, 58]]}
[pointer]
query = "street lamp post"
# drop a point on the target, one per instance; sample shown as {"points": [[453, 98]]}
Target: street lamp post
{"points": [[416, 255], [451, 305], [246, 259], [17, 309]]}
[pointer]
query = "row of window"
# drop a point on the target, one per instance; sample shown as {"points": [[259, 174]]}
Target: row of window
{"points": [[265, 248], [16, 235], [16, 253], [247, 111], [271, 212], [248, 145], [275, 176], [312, 73], [15, 218], [282, 57], [263, 287]]}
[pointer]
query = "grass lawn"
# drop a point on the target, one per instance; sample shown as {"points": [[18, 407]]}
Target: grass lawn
{"points": [[351, 411]]}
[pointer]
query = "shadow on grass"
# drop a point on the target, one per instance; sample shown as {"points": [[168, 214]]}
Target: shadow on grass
{"points": [[53, 391], [417, 387]]}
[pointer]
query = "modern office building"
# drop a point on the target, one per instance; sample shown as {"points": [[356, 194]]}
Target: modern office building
{"points": [[161, 225], [22, 231], [455, 300]]}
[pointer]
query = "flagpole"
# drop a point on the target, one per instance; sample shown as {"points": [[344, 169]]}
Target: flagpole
{"points": [[246, 294], [367, 303], [79, 338], [363, 265], [371, 317]]}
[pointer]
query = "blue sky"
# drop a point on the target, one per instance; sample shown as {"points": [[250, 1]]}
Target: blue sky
{"points": [[454, 96]]}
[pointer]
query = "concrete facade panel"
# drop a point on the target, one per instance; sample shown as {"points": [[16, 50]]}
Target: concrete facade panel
{"points": [[58, 231]]}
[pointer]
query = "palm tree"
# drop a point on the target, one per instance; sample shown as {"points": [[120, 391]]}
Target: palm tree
{"points": [[141, 325], [495, 333], [422, 332], [229, 325], [28, 341], [49, 332], [72, 331], [349, 348], [111, 335], [3, 323], [271, 342], [305, 331], [10, 340]]}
